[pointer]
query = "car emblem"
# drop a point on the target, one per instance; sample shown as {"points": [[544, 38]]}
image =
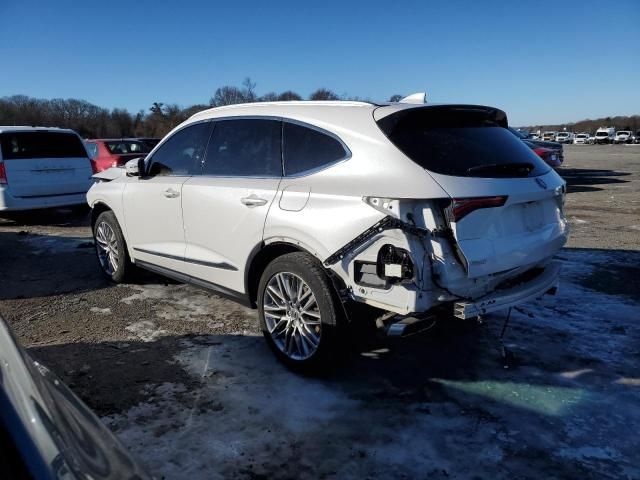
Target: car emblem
{"points": [[542, 183]]}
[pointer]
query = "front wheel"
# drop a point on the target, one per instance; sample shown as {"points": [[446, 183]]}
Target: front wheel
{"points": [[299, 312], [111, 248]]}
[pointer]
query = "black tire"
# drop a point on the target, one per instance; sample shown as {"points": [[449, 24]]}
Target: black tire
{"points": [[305, 267], [122, 266]]}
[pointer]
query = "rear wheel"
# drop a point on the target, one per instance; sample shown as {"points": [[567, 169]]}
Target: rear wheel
{"points": [[111, 248], [299, 312]]}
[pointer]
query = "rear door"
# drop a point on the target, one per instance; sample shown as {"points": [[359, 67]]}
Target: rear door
{"points": [[506, 203], [225, 207], [45, 163]]}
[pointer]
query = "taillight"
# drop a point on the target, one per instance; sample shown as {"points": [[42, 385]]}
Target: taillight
{"points": [[3, 174], [541, 152], [461, 207]]}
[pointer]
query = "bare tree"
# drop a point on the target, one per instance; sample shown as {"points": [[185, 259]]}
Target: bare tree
{"points": [[288, 96], [323, 94], [249, 90], [395, 98], [227, 95], [269, 97]]}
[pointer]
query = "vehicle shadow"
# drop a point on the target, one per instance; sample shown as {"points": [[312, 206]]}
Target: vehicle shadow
{"points": [[36, 265], [77, 216], [586, 179]]}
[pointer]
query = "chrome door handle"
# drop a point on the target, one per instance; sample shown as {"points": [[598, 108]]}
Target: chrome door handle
{"points": [[253, 201], [171, 193]]}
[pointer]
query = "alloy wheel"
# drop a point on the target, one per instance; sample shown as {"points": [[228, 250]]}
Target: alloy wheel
{"points": [[107, 247], [292, 315]]}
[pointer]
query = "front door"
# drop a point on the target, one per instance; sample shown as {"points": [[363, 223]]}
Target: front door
{"points": [[153, 203]]}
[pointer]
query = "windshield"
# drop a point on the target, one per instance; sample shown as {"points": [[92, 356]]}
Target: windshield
{"points": [[581, 135], [602, 134], [563, 134], [123, 147], [461, 142], [41, 144], [623, 133]]}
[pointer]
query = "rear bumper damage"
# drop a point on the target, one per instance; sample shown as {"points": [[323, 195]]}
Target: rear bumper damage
{"points": [[546, 282]]}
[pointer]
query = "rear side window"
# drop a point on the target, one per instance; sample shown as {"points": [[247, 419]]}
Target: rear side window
{"points": [[183, 152], [461, 141], [124, 147], [43, 144], [244, 148], [307, 149], [92, 149]]}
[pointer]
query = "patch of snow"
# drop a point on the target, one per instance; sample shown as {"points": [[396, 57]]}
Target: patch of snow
{"points": [[145, 330], [101, 311]]}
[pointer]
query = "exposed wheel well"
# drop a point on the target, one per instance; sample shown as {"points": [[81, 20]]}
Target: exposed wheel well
{"points": [[260, 261], [96, 210]]}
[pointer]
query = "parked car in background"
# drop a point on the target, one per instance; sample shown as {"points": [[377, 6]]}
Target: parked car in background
{"points": [[623, 136], [565, 137], [42, 167], [549, 136], [555, 146], [150, 142], [534, 136], [581, 139], [605, 135], [336, 203], [107, 153], [46, 432], [637, 137], [550, 156]]}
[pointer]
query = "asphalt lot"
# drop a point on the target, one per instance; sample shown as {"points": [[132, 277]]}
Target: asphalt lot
{"points": [[186, 382]]}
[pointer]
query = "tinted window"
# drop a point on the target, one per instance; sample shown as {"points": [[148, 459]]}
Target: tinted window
{"points": [[123, 147], [183, 152], [17, 145], [92, 148], [470, 142], [306, 149], [244, 147]]}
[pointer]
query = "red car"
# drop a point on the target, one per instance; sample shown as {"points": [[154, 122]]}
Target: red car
{"points": [[550, 156], [107, 153]]}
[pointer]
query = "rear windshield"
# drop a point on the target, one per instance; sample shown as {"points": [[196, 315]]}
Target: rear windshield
{"points": [[461, 142], [24, 145], [122, 147]]}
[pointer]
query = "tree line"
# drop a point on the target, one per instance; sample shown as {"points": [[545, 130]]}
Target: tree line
{"points": [[92, 121]]}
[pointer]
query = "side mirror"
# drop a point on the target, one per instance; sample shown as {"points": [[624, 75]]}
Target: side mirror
{"points": [[134, 167]]}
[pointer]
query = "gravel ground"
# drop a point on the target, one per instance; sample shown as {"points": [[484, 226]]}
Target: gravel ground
{"points": [[186, 382]]}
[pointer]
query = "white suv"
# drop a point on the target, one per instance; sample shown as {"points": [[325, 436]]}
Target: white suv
{"points": [[303, 208], [42, 167]]}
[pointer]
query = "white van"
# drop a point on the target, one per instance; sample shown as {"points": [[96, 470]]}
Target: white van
{"points": [[605, 135], [581, 139], [42, 167]]}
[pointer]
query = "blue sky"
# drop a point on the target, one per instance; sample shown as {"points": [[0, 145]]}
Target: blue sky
{"points": [[541, 61]]}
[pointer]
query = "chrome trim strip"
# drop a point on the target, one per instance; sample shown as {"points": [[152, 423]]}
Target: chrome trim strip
{"points": [[222, 265]]}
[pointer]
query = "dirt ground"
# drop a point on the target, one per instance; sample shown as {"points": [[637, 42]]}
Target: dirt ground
{"points": [[187, 383]]}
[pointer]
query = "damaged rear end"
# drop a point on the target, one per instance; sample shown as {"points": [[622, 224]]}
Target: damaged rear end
{"points": [[485, 246]]}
